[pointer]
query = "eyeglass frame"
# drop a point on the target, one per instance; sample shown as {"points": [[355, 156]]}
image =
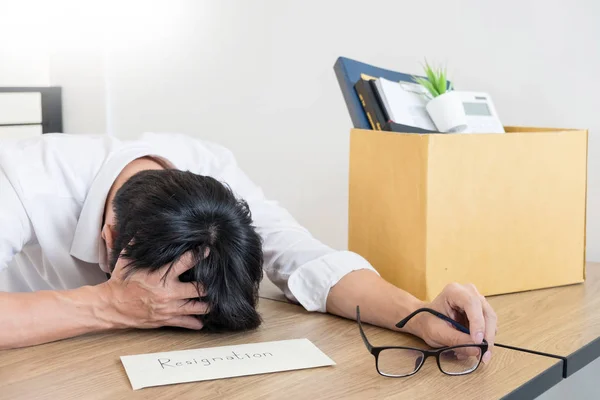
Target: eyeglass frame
{"points": [[465, 330], [376, 350]]}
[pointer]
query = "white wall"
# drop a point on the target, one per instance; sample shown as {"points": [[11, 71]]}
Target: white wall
{"points": [[81, 74], [257, 76], [23, 54], [22, 69], [59, 43]]}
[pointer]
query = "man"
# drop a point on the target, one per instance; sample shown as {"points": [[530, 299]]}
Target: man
{"points": [[63, 197], [165, 217]]}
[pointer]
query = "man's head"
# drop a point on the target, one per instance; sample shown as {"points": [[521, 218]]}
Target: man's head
{"points": [[158, 215]]}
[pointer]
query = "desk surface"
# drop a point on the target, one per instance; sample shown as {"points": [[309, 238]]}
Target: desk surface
{"points": [[561, 320], [564, 321]]}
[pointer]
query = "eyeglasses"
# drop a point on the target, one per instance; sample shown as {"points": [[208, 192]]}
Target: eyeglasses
{"points": [[399, 362]]}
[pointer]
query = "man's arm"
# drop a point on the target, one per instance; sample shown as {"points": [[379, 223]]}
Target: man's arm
{"points": [[38, 317], [383, 304], [32, 318], [300, 265], [322, 279], [142, 300]]}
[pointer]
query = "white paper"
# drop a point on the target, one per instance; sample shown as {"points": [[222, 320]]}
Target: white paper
{"points": [[405, 103], [158, 369]]}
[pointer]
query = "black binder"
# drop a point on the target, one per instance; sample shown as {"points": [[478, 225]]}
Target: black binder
{"points": [[372, 107]]}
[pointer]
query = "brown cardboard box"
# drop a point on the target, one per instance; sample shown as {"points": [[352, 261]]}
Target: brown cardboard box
{"points": [[505, 212]]}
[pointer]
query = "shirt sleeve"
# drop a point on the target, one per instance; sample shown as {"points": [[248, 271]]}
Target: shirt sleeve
{"points": [[15, 227], [301, 266]]}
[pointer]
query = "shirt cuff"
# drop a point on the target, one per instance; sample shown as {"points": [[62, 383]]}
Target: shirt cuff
{"points": [[310, 284]]}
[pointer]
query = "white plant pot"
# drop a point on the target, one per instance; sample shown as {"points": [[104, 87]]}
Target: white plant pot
{"points": [[447, 112]]}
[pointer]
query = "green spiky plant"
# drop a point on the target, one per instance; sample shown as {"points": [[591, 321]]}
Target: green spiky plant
{"points": [[436, 83]]}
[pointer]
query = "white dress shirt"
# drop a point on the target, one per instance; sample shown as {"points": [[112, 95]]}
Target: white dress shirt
{"points": [[52, 195]]}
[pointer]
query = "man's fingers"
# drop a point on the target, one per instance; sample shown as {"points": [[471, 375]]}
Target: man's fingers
{"points": [[122, 262], [191, 307], [465, 352], [491, 324], [450, 336], [185, 322], [185, 262], [187, 290], [468, 299]]}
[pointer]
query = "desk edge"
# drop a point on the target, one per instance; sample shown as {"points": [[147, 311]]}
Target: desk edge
{"points": [[583, 356], [538, 384]]}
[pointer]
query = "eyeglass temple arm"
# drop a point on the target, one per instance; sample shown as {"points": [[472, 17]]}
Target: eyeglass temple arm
{"points": [[464, 329], [362, 332], [538, 353], [455, 324]]}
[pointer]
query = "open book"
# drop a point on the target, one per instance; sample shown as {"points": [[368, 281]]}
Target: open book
{"points": [[404, 103]]}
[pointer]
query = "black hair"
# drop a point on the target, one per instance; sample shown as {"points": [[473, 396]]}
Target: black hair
{"points": [[162, 214]]}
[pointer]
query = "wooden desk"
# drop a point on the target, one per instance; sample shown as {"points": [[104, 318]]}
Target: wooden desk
{"points": [[563, 321], [88, 367]]}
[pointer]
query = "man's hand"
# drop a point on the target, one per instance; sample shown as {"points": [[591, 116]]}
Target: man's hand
{"points": [[383, 304], [464, 304], [151, 300], [142, 300]]}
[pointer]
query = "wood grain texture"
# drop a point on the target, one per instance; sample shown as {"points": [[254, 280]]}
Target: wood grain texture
{"points": [[88, 367], [558, 320]]}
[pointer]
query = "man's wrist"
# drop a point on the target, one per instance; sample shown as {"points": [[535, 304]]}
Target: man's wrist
{"points": [[103, 307], [415, 325]]}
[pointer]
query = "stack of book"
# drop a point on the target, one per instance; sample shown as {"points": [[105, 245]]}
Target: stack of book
{"points": [[394, 106], [365, 88], [382, 99]]}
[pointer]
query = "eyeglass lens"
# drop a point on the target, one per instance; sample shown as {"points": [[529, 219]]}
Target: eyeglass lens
{"points": [[399, 362], [404, 362], [461, 360]]}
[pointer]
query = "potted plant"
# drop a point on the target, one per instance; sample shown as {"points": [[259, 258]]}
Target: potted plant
{"points": [[445, 106]]}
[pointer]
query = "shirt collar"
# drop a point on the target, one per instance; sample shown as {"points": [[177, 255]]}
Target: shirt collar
{"points": [[88, 244]]}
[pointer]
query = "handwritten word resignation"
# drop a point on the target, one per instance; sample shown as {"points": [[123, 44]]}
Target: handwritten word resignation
{"points": [[167, 362]]}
